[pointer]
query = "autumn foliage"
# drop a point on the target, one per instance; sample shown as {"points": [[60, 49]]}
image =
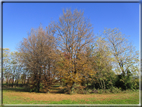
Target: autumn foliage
{"points": [[68, 52]]}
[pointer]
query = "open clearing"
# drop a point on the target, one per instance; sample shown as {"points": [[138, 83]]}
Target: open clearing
{"points": [[13, 97]]}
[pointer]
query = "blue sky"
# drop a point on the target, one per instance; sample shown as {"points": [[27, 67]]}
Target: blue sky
{"points": [[19, 18]]}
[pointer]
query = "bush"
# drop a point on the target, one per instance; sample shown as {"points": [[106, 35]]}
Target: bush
{"points": [[94, 91], [107, 91], [89, 90], [125, 82], [76, 91], [81, 90], [100, 91], [115, 90], [135, 84], [67, 90]]}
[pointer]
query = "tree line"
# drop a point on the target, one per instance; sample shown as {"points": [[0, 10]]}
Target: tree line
{"points": [[68, 52]]}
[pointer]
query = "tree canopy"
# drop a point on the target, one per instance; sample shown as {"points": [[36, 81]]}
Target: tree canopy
{"points": [[68, 51]]}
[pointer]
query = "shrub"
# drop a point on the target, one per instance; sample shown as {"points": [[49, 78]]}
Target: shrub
{"points": [[115, 90], [107, 91], [76, 90], [81, 90], [100, 91], [135, 84], [89, 90], [94, 91], [125, 82]]}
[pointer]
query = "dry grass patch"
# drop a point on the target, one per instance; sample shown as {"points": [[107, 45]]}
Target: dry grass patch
{"points": [[60, 97]]}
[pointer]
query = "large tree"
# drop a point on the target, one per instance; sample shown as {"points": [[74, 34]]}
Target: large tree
{"points": [[11, 66], [15, 67], [37, 53], [102, 63], [126, 58], [6, 58], [75, 34]]}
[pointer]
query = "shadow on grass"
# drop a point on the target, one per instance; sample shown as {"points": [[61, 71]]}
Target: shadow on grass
{"points": [[23, 88], [16, 89], [20, 88], [56, 86]]}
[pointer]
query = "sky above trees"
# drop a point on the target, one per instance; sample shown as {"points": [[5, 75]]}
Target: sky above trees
{"points": [[20, 18]]}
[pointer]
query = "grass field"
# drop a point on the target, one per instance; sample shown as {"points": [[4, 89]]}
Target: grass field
{"points": [[19, 96]]}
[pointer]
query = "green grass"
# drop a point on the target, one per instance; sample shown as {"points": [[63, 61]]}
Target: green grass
{"points": [[130, 97], [133, 99], [16, 100]]}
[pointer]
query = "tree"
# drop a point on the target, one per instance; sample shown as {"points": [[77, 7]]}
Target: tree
{"points": [[23, 78], [37, 53], [64, 51], [6, 58], [11, 66], [15, 67], [124, 54], [75, 33], [102, 64]]}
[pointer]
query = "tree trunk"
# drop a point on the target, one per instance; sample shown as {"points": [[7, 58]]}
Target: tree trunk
{"points": [[72, 87], [101, 84], [7, 81], [28, 81], [87, 83], [12, 81], [39, 81], [104, 85], [17, 82]]}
